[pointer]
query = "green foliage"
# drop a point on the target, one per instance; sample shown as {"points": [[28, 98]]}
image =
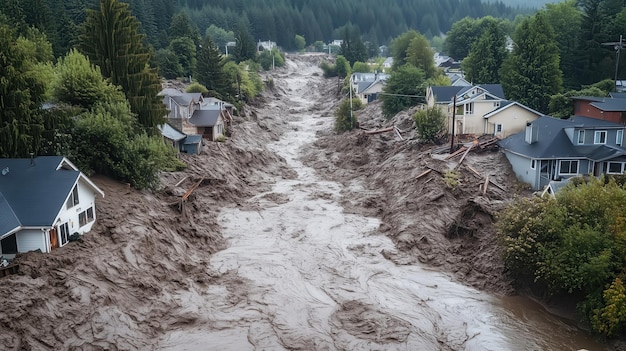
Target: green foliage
{"points": [[220, 36], [21, 95], [210, 70], [244, 79], [561, 105], [269, 58], [531, 74], [452, 178], [420, 55], [245, 47], [185, 50], [346, 117], [407, 84], [464, 34], [353, 48], [105, 144], [319, 46], [342, 66], [300, 42], [112, 40], [168, 64], [328, 69], [361, 67], [79, 83], [430, 124], [574, 244], [486, 56], [196, 87], [399, 47]]}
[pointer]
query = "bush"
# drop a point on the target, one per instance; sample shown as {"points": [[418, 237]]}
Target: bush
{"points": [[329, 70], [343, 122], [197, 88], [430, 124], [572, 245]]}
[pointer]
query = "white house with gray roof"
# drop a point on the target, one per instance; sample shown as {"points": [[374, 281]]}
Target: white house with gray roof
{"points": [[366, 86], [552, 149], [43, 201]]}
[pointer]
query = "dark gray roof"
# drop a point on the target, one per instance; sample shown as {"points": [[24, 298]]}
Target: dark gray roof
{"points": [[8, 218], [445, 94], [494, 89], [588, 98], [553, 142], [610, 105], [588, 122], [192, 139], [36, 192], [205, 118], [170, 132], [617, 95]]}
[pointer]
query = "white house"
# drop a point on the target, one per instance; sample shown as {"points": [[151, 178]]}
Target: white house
{"points": [[43, 201]]}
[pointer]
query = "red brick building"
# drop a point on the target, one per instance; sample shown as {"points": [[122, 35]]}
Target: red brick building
{"points": [[607, 109]]}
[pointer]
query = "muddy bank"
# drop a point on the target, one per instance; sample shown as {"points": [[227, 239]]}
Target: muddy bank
{"points": [[449, 227]]}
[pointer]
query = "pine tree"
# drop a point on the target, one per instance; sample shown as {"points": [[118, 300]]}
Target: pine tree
{"points": [[531, 73], [210, 69], [112, 40], [482, 64], [245, 47], [21, 95]]}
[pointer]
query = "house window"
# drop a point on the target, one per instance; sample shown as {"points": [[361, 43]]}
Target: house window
{"points": [[73, 200], [498, 128], [469, 108], [615, 168], [581, 136], [85, 217], [568, 167], [600, 137], [64, 233], [619, 138], [533, 164]]}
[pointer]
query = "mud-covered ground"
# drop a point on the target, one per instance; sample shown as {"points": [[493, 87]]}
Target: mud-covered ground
{"points": [[284, 246]]}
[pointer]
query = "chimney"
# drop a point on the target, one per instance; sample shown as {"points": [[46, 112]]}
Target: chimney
{"points": [[532, 133], [32, 159]]}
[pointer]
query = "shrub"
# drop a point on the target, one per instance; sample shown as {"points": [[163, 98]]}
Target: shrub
{"points": [[343, 122], [430, 124], [197, 88]]}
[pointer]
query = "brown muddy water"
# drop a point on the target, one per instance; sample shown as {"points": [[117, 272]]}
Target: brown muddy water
{"points": [[311, 277]]}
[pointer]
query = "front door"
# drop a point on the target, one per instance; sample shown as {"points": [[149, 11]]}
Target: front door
{"points": [[54, 239]]}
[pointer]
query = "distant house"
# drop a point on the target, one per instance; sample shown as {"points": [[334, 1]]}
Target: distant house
{"points": [[612, 108], [552, 149], [265, 45], [180, 141], [387, 64], [43, 201], [366, 86], [208, 122], [181, 106]]}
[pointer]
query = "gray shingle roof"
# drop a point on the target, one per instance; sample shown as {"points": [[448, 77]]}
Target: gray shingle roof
{"points": [[205, 118], [36, 192], [494, 89], [8, 218], [170, 132], [193, 139], [445, 94], [610, 105], [588, 122], [553, 142]]}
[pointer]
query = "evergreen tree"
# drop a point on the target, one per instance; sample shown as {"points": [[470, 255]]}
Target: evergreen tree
{"points": [[420, 55], [531, 73], [399, 47], [482, 64], [21, 95], [245, 47], [565, 17], [404, 89], [352, 47], [112, 40], [210, 69]]}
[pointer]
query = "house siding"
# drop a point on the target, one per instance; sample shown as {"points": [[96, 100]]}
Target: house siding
{"points": [[521, 166], [30, 240], [513, 120], [584, 108]]}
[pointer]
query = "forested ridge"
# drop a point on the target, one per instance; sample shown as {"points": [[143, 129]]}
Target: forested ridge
{"points": [[277, 20]]}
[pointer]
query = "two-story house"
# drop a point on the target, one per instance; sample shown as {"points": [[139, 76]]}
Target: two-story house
{"points": [[552, 149], [366, 86]]}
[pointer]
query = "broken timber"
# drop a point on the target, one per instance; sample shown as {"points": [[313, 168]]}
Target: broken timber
{"points": [[465, 154], [424, 173], [10, 269], [398, 132], [183, 199], [379, 131]]}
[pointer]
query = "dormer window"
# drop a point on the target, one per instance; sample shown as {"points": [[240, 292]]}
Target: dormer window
{"points": [[73, 200], [619, 138], [581, 136], [600, 137]]}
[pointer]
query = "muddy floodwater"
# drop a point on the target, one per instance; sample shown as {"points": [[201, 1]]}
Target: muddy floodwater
{"points": [[311, 277]]}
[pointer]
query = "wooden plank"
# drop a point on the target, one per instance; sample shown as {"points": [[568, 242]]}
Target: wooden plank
{"points": [[456, 153], [465, 154], [423, 173], [485, 185], [188, 193], [398, 132], [378, 131], [496, 185], [181, 181], [474, 170]]}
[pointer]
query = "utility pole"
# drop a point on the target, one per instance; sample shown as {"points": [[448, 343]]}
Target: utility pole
{"points": [[618, 46], [351, 119], [453, 123]]}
